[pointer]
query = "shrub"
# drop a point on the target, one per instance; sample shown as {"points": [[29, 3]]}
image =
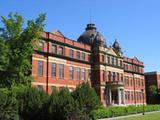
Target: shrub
{"points": [[87, 99], [8, 105], [103, 112], [32, 103]]}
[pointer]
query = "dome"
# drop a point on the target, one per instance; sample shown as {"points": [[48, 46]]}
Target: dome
{"points": [[91, 36]]}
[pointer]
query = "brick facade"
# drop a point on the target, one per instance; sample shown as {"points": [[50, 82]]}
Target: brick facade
{"points": [[152, 78], [60, 62]]}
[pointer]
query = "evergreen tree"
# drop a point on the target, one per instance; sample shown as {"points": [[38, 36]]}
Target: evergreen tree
{"points": [[8, 105], [62, 106], [32, 103], [87, 99]]}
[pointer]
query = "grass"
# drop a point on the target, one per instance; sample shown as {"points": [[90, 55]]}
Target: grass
{"points": [[150, 116]]}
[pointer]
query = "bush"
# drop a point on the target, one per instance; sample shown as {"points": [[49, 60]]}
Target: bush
{"points": [[63, 107], [32, 103], [28, 103], [103, 112], [8, 105], [87, 99]]}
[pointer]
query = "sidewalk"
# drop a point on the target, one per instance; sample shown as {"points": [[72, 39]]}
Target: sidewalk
{"points": [[120, 117]]}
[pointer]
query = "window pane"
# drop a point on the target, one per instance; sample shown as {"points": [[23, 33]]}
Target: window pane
{"points": [[61, 71], [54, 48], [41, 46], [61, 50], [116, 62], [53, 88], [53, 70], [71, 53], [89, 74], [83, 56], [103, 75], [83, 74], [89, 57], [113, 76], [78, 73], [108, 59], [70, 72], [78, 55], [40, 88], [40, 68], [109, 75], [112, 60]]}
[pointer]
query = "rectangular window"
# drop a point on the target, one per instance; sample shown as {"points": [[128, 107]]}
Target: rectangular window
{"points": [[89, 57], [53, 88], [54, 49], [60, 50], [40, 88], [71, 73], [40, 68], [61, 71], [126, 67], [83, 74], [78, 73], [108, 59], [71, 53], [78, 55], [117, 76], [116, 62], [109, 76], [121, 77], [103, 75], [112, 60], [131, 81], [142, 82], [126, 95], [121, 65], [102, 58], [83, 56], [89, 74], [53, 70], [41, 46], [114, 76]]}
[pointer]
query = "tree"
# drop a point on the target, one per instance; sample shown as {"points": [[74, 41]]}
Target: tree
{"points": [[21, 44], [153, 94], [87, 99], [32, 103], [8, 105], [62, 106], [153, 90]]}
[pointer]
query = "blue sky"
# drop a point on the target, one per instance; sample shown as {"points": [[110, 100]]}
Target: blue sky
{"points": [[135, 23]]}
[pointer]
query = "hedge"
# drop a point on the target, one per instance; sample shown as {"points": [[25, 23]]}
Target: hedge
{"points": [[103, 112]]}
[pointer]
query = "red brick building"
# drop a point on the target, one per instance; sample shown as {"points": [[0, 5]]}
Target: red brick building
{"points": [[152, 78], [61, 62]]}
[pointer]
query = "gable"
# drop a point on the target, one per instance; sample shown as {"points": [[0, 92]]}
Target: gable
{"points": [[58, 33], [136, 59], [112, 52]]}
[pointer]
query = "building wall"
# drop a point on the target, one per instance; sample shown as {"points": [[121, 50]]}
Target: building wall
{"points": [[104, 68], [152, 78], [58, 59]]}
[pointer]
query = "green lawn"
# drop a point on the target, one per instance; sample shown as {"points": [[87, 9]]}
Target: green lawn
{"points": [[151, 116]]}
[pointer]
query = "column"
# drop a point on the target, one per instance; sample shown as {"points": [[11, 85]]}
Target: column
{"points": [[110, 96], [123, 96], [119, 96]]}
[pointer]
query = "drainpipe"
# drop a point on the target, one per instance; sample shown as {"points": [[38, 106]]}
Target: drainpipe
{"points": [[47, 68], [134, 89]]}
